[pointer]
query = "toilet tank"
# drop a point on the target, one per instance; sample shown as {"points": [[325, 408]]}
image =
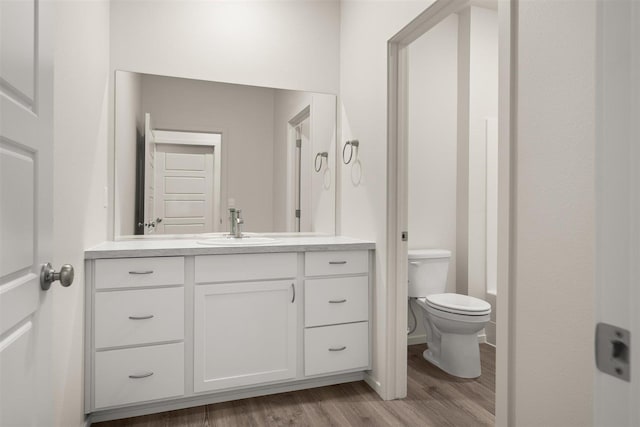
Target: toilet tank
{"points": [[428, 269]]}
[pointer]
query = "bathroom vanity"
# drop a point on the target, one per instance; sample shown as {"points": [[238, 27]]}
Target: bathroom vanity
{"points": [[176, 323]]}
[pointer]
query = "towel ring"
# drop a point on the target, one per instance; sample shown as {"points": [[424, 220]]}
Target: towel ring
{"points": [[354, 143], [323, 155]]}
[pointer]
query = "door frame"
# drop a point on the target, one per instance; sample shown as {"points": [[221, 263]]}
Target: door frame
{"points": [[617, 204], [297, 119], [397, 196]]}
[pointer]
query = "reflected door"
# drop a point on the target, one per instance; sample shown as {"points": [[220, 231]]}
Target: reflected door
{"points": [[184, 188], [302, 177]]}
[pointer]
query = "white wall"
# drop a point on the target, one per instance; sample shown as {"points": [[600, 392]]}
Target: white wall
{"points": [[432, 124], [321, 208], [483, 104], [432, 127], [80, 176], [288, 44], [553, 279], [129, 122], [365, 28], [244, 115], [323, 183]]}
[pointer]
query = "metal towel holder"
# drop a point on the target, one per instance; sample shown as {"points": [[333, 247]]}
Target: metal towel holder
{"points": [[352, 144]]}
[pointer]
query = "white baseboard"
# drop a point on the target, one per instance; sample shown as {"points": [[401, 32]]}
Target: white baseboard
{"points": [[416, 339], [491, 333], [422, 339], [374, 384], [482, 337]]}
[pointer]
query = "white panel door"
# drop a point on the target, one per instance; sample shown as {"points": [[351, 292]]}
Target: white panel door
{"points": [[618, 203], [26, 177], [245, 334], [184, 188]]}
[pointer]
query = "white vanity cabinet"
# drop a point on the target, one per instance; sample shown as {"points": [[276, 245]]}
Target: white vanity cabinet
{"points": [[337, 307], [245, 332], [136, 342], [195, 326]]}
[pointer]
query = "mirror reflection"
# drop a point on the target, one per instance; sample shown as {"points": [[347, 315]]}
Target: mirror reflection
{"points": [[188, 151]]}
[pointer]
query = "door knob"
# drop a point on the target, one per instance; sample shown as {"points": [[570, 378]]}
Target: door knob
{"points": [[48, 275]]}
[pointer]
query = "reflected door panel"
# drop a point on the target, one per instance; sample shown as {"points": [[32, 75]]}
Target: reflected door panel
{"points": [[184, 188]]}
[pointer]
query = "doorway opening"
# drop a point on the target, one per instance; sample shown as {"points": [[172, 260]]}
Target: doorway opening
{"points": [[469, 143]]}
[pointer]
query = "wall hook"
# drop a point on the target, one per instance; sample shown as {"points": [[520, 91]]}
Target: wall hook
{"points": [[352, 144], [323, 155]]}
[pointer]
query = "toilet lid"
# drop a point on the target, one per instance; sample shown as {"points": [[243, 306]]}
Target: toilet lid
{"points": [[461, 304]]}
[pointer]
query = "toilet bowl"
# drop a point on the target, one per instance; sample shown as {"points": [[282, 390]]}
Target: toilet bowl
{"points": [[452, 321]]}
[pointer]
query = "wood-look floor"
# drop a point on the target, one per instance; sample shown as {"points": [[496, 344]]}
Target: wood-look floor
{"points": [[433, 399]]}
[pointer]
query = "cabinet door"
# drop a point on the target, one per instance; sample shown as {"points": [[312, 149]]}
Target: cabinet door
{"points": [[245, 334]]}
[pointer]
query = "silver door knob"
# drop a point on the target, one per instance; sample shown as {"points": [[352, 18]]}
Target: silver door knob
{"points": [[48, 275]]}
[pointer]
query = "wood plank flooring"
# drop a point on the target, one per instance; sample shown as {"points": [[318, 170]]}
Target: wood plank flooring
{"points": [[433, 399]]}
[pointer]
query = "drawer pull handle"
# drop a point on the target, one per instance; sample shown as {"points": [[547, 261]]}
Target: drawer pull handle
{"points": [[141, 272], [338, 349], [150, 316], [337, 262], [337, 301], [293, 298], [137, 377]]}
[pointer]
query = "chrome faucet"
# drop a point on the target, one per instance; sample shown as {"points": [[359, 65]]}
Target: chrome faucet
{"points": [[236, 221]]}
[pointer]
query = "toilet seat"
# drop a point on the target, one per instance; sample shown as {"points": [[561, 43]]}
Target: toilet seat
{"points": [[457, 304]]}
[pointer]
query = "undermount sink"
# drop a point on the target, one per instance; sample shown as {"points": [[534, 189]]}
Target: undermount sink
{"points": [[241, 241]]}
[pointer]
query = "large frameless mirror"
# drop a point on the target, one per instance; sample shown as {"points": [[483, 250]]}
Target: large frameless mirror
{"points": [[188, 150]]}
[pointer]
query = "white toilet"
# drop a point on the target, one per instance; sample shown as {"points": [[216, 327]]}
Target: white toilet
{"points": [[451, 321]]}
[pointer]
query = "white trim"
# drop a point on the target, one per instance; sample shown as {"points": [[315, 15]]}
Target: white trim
{"points": [[397, 206], [301, 116], [507, 156], [225, 396], [416, 339], [206, 139], [186, 138], [422, 339], [373, 383]]}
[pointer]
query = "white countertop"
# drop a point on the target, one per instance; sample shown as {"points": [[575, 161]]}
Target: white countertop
{"points": [[189, 246]]}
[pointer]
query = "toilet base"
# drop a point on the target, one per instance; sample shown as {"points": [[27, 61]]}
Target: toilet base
{"points": [[459, 355]]}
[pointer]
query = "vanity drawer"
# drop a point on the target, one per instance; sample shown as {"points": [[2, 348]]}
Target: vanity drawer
{"points": [[132, 272], [139, 316], [336, 348], [336, 300], [336, 262], [244, 267], [114, 370]]}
